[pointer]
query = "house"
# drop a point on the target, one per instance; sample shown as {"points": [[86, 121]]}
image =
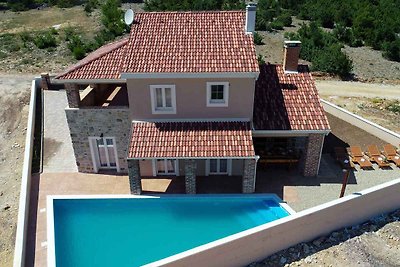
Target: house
{"points": [[184, 95]]}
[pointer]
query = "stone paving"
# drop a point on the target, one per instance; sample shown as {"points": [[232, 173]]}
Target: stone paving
{"points": [[58, 153]]}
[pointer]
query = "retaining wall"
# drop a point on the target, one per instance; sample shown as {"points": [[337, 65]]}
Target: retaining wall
{"points": [[369, 126], [260, 242], [23, 209]]}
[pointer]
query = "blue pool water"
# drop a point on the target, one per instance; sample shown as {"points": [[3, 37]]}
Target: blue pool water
{"points": [[136, 231]]}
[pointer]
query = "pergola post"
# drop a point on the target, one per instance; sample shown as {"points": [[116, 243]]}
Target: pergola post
{"points": [[312, 157], [73, 96], [135, 181], [190, 176], [249, 176]]}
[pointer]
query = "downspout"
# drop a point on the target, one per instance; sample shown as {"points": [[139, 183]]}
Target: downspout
{"points": [[255, 172]]}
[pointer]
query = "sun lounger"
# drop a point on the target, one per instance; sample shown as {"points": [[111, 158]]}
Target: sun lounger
{"points": [[375, 155], [390, 153], [343, 158], [357, 156]]}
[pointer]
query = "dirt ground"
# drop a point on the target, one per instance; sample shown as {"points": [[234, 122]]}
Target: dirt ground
{"points": [[14, 105]]}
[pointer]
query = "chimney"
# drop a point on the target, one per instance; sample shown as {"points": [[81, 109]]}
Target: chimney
{"points": [[250, 17], [291, 56]]}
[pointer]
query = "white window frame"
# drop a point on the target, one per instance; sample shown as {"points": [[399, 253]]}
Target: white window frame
{"points": [[226, 94], [153, 95], [154, 167], [229, 168], [95, 159]]}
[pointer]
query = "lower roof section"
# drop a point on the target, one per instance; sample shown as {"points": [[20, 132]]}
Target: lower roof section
{"points": [[211, 139]]}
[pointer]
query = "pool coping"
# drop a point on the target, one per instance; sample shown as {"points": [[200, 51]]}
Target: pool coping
{"points": [[51, 255]]}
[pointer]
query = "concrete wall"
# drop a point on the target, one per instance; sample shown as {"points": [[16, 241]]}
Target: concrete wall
{"points": [[85, 123], [24, 197], [191, 98], [262, 241], [371, 127]]}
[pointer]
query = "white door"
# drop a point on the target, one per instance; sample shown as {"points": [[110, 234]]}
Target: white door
{"points": [[104, 153]]}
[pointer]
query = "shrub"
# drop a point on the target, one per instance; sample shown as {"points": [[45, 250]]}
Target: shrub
{"points": [[276, 25], [394, 107], [285, 19], [79, 52], [391, 50], [90, 5], [260, 60], [258, 40], [331, 59], [45, 40]]}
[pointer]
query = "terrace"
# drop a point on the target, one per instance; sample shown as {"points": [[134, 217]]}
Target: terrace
{"points": [[59, 177]]}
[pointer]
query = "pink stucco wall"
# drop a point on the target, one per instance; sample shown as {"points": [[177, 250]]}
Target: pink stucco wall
{"points": [[191, 98]]}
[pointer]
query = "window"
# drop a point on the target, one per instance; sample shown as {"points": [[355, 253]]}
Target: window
{"points": [[219, 166], [165, 167], [163, 99], [217, 94]]}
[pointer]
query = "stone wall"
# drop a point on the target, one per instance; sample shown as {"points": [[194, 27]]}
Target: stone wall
{"points": [[73, 97], [249, 176], [190, 176], [312, 154], [109, 122]]}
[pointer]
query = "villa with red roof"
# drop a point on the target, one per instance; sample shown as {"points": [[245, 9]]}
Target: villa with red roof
{"points": [[184, 95]]}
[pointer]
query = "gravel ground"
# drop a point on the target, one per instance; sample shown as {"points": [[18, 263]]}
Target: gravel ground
{"points": [[373, 243], [14, 100]]}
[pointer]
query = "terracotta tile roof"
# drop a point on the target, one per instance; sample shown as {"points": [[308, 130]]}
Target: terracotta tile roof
{"points": [[190, 42], [104, 63], [191, 139], [174, 42], [287, 101]]}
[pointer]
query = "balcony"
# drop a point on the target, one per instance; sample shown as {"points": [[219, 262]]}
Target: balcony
{"points": [[104, 96]]}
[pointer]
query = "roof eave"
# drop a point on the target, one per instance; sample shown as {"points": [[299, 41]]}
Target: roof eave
{"points": [[87, 81], [177, 75]]}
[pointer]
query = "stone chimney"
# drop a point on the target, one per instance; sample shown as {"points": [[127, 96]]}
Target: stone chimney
{"points": [[291, 56], [250, 18]]}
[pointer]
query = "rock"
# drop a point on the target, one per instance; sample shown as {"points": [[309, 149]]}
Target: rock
{"points": [[306, 249], [6, 207], [283, 260]]}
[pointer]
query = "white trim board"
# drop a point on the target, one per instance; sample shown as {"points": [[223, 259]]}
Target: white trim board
{"points": [[184, 75]]}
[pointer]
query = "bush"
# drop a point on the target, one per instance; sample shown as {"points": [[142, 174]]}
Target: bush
{"points": [[258, 40], [79, 52], [276, 25], [90, 5], [260, 60], [45, 40], [285, 19], [391, 50], [331, 59], [394, 107]]}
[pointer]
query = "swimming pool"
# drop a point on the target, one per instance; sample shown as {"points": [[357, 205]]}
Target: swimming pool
{"points": [[133, 231]]}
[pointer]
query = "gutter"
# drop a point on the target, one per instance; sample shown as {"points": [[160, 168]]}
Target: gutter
{"points": [[287, 133]]}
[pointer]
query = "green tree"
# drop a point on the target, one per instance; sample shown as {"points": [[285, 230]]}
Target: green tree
{"points": [[112, 17], [332, 60]]}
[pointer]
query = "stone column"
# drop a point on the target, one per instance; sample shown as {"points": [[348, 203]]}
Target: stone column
{"points": [[45, 81], [249, 176], [135, 181], [73, 96], [312, 155], [190, 176]]}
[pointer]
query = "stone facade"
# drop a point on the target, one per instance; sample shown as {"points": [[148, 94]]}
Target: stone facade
{"points": [[73, 96], [312, 154], [135, 181], [249, 176], [190, 176], [96, 122]]}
